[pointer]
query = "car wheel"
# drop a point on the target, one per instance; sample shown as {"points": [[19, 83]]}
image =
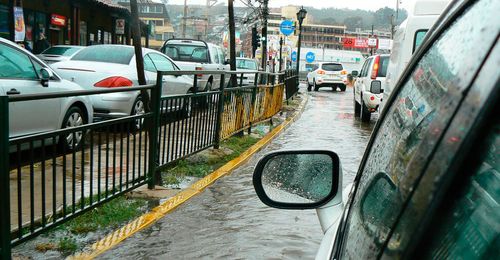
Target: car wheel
{"points": [[187, 106], [138, 109], [315, 86], [365, 113], [357, 108], [74, 117], [342, 87], [309, 86], [203, 100]]}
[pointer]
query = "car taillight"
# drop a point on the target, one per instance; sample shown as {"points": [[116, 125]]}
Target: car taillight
{"points": [[344, 72], [199, 68], [322, 72], [114, 82], [375, 67]]}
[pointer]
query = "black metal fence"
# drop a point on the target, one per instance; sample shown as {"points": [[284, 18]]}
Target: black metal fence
{"points": [[43, 185]]}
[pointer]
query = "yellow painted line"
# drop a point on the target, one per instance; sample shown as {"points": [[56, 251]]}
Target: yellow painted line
{"points": [[168, 206]]}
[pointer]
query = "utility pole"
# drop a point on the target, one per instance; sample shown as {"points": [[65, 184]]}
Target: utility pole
{"points": [[371, 48], [232, 42], [281, 53], [184, 19], [265, 13]]}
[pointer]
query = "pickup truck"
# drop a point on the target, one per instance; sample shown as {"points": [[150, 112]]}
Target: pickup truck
{"points": [[192, 55]]}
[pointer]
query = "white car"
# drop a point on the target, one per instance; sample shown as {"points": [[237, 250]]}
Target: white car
{"points": [[246, 65], [327, 74], [22, 73], [59, 53], [368, 87], [192, 55], [111, 66]]}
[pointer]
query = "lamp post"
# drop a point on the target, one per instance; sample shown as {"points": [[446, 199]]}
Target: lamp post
{"points": [[301, 14]]}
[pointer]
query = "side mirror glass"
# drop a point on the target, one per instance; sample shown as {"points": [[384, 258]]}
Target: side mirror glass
{"points": [[297, 179], [354, 73], [376, 87], [45, 76]]}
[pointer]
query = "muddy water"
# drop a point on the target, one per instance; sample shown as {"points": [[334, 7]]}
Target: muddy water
{"points": [[228, 221]]}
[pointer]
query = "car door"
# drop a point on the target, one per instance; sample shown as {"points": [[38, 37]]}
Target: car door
{"points": [[19, 74], [172, 85], [358, 84], [406, 137]]}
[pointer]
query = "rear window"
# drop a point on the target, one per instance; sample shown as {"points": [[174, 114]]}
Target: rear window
{"points": [[332, 67], [62, 51], [246, 64], [105, 53], [384, 62], [184, 52]]}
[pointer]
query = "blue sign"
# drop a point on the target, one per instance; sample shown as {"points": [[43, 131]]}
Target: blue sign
{"points": [[286, 27], [294, 56], [310, 57]]}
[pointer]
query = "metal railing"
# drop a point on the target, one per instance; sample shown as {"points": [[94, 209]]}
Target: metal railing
{"points": [[43, 185]]}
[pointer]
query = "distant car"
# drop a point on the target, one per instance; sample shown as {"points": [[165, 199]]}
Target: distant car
{"points": [[190, 54], [428, 183], [326, 74], [22, 73], [246, 65], [112, 66], [368, 87], [59, 53]]}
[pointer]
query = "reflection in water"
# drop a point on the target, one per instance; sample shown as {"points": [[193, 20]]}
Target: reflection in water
{"points": [[228, 221]]}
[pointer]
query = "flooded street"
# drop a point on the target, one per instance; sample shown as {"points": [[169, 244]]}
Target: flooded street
{"points": [[228, 220]]}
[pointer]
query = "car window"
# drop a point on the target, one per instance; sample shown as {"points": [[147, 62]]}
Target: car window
{"points": [[364, 70], [246, 64], [467, 226], [161, 63], [412, 127], [222, 57], [61, 50], [215, 55], [185, 52], [148, 64], [384, 63], [106, 53], [332, 67], [15, 64]]}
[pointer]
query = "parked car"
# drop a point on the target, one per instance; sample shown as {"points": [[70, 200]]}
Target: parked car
{"points": [[22, 73], [368, 87], [326, 74], [192, 55], [409, 36], [111, 66], [427, 186], [59, 53], [246, 65]]}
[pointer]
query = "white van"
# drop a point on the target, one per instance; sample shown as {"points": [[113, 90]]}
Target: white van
{"points": [[408, 37]]}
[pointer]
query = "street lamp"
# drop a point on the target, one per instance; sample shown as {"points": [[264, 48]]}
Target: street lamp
{"points": [[301, 14]]}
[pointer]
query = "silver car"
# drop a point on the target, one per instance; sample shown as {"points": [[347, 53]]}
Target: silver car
{"points": [[23, 73]]}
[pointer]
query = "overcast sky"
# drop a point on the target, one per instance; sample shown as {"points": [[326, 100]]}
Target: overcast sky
{"points": [[351, 4]]}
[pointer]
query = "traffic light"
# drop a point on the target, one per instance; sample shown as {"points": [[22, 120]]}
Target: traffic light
{"points": [[255, 40]]}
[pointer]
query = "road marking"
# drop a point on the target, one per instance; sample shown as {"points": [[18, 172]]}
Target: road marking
{"points": [[168, 206]]}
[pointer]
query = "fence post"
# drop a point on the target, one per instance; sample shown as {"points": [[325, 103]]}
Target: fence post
{"points": [[254, 99], [153, 161], [220, 110], [4, 180]]}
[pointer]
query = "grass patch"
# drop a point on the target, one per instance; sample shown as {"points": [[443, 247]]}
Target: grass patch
{"points": [[172, 174], [67, 245]]}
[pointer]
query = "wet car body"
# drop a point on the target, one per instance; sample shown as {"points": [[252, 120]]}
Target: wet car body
{"points": [[428, 183]]}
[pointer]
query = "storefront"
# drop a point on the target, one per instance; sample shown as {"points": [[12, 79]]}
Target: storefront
{"points": [[76, 22]]}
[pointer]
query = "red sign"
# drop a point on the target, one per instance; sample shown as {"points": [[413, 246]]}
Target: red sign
{"points": [[355, 42], [58, 20]]}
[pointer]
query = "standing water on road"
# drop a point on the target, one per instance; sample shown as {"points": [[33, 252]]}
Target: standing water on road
{"points": [[228, 220]]}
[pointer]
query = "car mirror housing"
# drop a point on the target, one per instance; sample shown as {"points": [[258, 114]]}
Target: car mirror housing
{"points": [[45, 76], [376, 87], [354, 73], [297, 179]]}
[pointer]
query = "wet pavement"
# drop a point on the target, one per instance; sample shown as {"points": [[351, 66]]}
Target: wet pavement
{"points": [[228, 220]]}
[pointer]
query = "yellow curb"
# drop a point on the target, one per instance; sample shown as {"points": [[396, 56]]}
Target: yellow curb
{"points": [[168, 206]]}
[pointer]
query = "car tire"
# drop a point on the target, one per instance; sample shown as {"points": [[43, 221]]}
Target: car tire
{"points": [[342, 87], [203, 101], [315, 86], [365, 113], [187, 106], [309, 86], [73, 141], [138, 108], [357, 108]]}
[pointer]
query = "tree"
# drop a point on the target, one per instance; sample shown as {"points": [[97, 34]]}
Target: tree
{"points": [[353, 22]]}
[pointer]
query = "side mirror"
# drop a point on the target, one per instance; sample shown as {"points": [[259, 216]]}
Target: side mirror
{"points": [[354, 73], [45, 76], [227, 62], [376, 87], [297, 179]]}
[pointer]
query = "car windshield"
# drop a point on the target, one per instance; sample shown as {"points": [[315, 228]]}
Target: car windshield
{"points": [[246, 64], [106, 53], [61, 50], [184, 52], [332, 67]]}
